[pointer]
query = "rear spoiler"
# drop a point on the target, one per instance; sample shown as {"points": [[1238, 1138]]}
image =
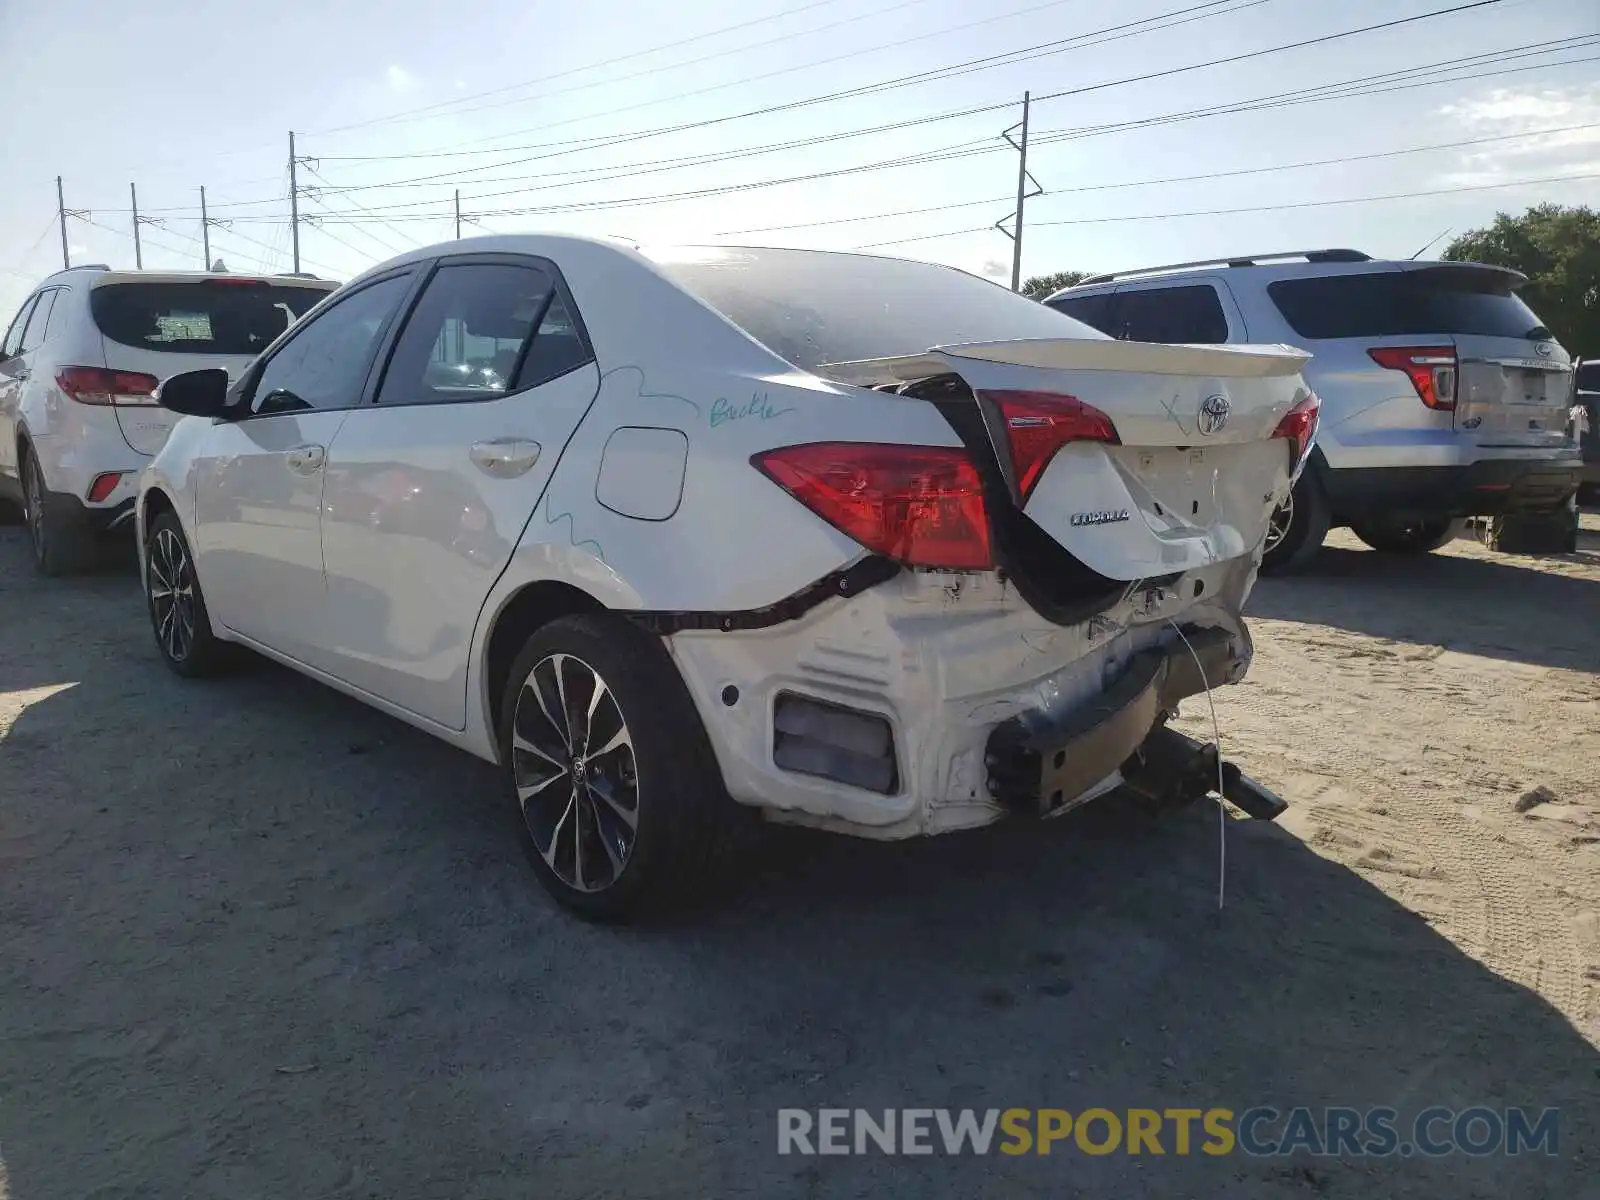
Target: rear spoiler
{"points": [[1076, 354], [108, 278]]}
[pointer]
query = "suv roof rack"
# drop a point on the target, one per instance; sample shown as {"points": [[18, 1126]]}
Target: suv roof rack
{"points": [[1335, 255]]}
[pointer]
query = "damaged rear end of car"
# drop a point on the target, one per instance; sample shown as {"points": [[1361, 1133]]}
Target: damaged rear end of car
{"points": [[1033, 599]]}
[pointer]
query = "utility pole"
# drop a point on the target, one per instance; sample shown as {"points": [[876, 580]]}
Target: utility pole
{"points": [[61, 215], [1024, 179], [138, 254], [207, 224], [458, 214], [294, 203]]}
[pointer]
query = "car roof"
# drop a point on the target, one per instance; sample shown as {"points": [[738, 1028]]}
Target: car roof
{"points": [[1269, 268]]}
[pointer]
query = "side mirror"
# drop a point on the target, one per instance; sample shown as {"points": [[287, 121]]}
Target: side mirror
{"points": [[196, 393]]}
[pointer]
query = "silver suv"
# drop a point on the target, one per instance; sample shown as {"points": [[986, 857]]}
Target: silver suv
{"points": [[1443, 396]]}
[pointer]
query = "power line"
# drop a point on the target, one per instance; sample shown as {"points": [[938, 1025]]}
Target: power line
{"points": [[608, 62], [1336, 91], [1135, 183], [634, 77], [323, 205], [1255, 208], [1182, 15]]}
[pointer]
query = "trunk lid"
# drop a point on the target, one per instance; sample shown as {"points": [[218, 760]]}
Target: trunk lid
{"points": [[1195, 470], [162, 324], [1513, 391]]}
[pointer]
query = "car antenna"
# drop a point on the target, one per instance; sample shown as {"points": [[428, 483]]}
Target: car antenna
{"points": [[1428, 243]]}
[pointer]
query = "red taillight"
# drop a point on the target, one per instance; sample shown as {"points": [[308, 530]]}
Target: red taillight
{"points": [[1299, 425], [1040, 423], [235, 281], [97, 385], [1432, 370], [103, 486], [919, 505]]}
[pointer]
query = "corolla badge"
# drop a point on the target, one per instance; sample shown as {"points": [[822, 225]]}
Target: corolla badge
{"points": [[1099, 517], [1213, 414]]}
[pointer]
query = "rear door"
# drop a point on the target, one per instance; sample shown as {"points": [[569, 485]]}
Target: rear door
{"points": [[430, 487], [160, 325]]}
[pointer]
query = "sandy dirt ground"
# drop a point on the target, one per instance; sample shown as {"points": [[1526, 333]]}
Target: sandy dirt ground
{"points": [[257, 941]]}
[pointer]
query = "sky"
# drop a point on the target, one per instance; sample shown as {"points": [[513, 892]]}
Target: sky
{"points": [[599, 116]]}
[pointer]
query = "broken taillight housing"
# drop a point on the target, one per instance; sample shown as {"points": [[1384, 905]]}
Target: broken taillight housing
{"points": [[1040, 423], [103, 387], [1432, 370], [918, 505], [1299, 426]]}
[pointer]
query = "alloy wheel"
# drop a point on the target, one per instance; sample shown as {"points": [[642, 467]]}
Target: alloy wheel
{"points": [[33, 506], [1279, 523], [172, 598], [575, 774]]}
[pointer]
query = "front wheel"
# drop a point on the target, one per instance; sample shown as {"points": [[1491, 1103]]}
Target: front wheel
{"points": [[177, 607], [622, 804], [1409, 536]]}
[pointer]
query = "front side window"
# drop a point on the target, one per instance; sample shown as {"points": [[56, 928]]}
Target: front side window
{"points": [[1189, 315], [325, 364], [1093, 310], [13, 344], [480, 331]]}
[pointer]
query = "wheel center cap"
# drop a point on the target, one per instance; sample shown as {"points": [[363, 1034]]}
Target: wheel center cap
{"points": [[579, 768]]}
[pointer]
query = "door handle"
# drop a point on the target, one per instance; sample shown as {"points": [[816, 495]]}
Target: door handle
{"points": [[306, 460], [504, 458]]}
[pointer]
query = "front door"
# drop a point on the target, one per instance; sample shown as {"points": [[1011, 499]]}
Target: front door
{"points": [[258, 484], [429, 488]]}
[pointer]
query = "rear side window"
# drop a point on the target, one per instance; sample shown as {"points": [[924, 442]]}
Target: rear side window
{"points": [[479, 331], [1190, 314], [1093, 311], [1443, 300], [39, 322], [213, 316]]}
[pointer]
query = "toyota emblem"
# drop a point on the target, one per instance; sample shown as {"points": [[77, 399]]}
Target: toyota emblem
{"points": [[1544, 349], [1213, 414]]}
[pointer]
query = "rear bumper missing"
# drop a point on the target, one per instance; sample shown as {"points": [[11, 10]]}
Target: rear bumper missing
{"points": [[1042, 764]]}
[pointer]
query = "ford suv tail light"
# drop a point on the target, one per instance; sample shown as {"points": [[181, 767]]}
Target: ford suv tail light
{"points": [[919, 505], [1432, 370], [1040, 423], [97, 385], [1299, 425]]}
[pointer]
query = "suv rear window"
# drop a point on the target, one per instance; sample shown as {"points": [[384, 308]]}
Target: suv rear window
{"points": [[204, 317], [1453, 300]]}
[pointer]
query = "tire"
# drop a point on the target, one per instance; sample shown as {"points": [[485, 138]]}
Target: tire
{"points": [[1302, 533], [178, 615], [1410, 537], [661, 774], [61, 544], [1535, 533]]}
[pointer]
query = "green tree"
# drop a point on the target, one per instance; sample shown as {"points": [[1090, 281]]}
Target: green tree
{"points": [[1558, 249], [1041, 286]]}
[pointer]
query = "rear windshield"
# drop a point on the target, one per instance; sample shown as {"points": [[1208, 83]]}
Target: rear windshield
{"points": [[812, 307], [204, 317], [1441, 300]]}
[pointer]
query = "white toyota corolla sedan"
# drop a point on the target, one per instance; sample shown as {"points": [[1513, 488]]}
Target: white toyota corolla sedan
{"points": [[673, 535]]}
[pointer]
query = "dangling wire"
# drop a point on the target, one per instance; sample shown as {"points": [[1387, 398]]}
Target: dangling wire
{"points": [[1216, 735]]}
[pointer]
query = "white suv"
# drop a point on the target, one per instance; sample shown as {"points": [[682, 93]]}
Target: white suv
{"points": [[78, 374], [1443, 395]]}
